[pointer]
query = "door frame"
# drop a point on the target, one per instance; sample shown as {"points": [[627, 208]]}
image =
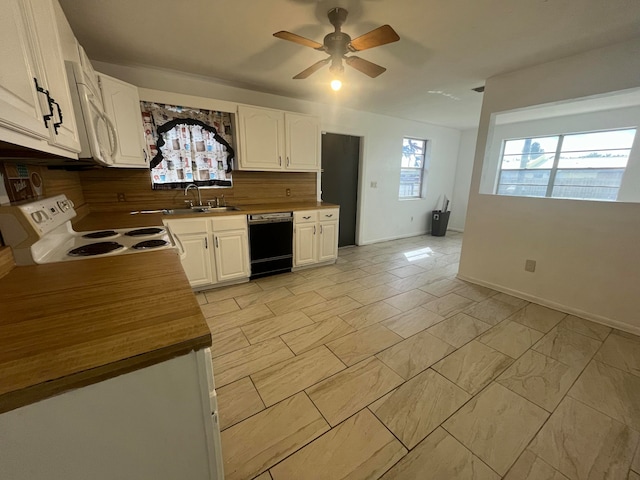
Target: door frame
{"points": [[340, 130]]}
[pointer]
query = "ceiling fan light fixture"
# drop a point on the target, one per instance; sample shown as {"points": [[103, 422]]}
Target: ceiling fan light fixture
{"points": [[336, 85]]}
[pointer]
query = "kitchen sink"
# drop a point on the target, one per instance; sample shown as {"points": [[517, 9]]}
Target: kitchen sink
{"points": [[200, 209]]}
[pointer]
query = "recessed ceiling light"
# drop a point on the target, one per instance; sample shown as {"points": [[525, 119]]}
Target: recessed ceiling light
{"points": [[336, 85]]}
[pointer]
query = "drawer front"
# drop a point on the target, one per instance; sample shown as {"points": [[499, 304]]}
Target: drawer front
{"points": [[305, 216], [232, 222], [328, 214], [187, 225]]}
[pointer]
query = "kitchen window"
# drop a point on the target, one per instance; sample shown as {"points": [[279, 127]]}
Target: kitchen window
{"points": [[586, 166], [412, 167]]}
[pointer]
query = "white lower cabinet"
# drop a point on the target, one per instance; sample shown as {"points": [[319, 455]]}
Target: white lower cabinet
{"points": [[315, 236], [212, 250]]}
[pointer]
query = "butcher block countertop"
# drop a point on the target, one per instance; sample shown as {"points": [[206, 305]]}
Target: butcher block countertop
{"points": [[71, 324]]}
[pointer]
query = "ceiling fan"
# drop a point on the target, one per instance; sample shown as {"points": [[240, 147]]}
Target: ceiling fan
{"points": [[337, 44]]}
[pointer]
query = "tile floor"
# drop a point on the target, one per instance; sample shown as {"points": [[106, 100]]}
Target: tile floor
{"points": [[385, 365]]}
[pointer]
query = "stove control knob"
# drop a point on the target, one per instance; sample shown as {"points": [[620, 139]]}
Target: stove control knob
{"points": [[39, 216]]}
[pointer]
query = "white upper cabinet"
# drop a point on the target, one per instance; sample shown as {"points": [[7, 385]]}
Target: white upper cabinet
{"points": [[122, 106], [273, 140], [35, 104]]}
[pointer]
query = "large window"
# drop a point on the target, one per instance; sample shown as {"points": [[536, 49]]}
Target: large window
{"points": [[586, 166], [412, 167]]}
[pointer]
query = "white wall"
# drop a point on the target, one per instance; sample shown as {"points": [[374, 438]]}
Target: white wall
{"points": [[588, 260], [382, 215], [462, 184]]}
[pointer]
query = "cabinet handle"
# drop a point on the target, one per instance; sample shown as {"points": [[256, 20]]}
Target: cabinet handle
{"points": [[216, 242], [206, 242], [320, 229], [314, 229], [329, 216], [288, 162], [306, 218], [279, 160], [49, 115], [56, 125]]}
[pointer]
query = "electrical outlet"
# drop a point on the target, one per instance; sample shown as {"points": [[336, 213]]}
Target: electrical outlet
{"points": [[374, 184], [530, 266], [288, 192], [121, 197]]}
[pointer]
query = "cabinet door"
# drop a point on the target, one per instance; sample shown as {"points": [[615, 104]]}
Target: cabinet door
{"points": [[21, 106], [328, 241], [196, 258], [305, 244], [122, 105], [231, 255], [63, 128], [302, 140], [261, 138]]}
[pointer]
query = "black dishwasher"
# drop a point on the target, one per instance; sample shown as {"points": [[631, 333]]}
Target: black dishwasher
{"points": [[270, 243]]}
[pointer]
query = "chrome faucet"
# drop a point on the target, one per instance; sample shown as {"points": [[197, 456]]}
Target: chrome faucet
{"points": [[193, 185]]}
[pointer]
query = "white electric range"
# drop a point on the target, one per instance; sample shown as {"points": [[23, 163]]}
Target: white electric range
{"points": [[40, 231]]}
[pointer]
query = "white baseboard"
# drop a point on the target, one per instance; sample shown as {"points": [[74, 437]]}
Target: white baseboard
{"points": [[397, 237], [609, 322]]}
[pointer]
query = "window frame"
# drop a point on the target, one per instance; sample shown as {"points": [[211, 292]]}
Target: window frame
{"points": [[422, 169], [553, 170]]}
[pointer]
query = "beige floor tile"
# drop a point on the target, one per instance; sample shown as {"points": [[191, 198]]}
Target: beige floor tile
{"points": [[568, 347], [406, 271], [261, 330], [373, 294], [510, 338], [585, 444], [585, 327], [202, 300], [264, 476], [448, 305], [349, 276], [297, 302], [319, 272], [295, 374], [419, 406], [345, 393], [496, 425], [415, 354], [335, 291], [511, 300], [473, 366], [256, 444], [331, 308], [411, 283], [409, 300], [459, 329], [310, 285], [540, 379], [491, 311], [237, 401], [262, 297], [369, 314], [443, 287], [282, 280], [220, 323], [359, 448], [223, 293], [476, 293], [440, 457], [228, 341], [621, 352], [219, 308], [610, 391], [361, 344], [319, 333], [376, 279], [538, 317], [383, 267], [240, 363], [411, 322], [531, 467]]}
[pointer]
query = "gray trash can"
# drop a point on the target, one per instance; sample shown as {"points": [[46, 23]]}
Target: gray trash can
{"points": [[439, 222]]}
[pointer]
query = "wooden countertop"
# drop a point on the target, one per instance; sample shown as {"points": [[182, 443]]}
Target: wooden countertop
{"points": [[66, 325], [103, 220]]}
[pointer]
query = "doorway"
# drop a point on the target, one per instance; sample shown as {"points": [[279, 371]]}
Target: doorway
{"points": [[339, 181]]}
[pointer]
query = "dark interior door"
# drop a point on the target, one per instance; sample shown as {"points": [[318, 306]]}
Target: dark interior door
{"points": [[339, 181]]}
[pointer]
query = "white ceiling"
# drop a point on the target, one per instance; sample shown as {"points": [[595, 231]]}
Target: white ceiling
{"points": [[446, 47]]}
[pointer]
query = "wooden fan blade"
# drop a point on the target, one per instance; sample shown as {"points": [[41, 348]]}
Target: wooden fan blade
{"points": [[292, 37], [380, 36], [365, 66], [312, 69]]}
